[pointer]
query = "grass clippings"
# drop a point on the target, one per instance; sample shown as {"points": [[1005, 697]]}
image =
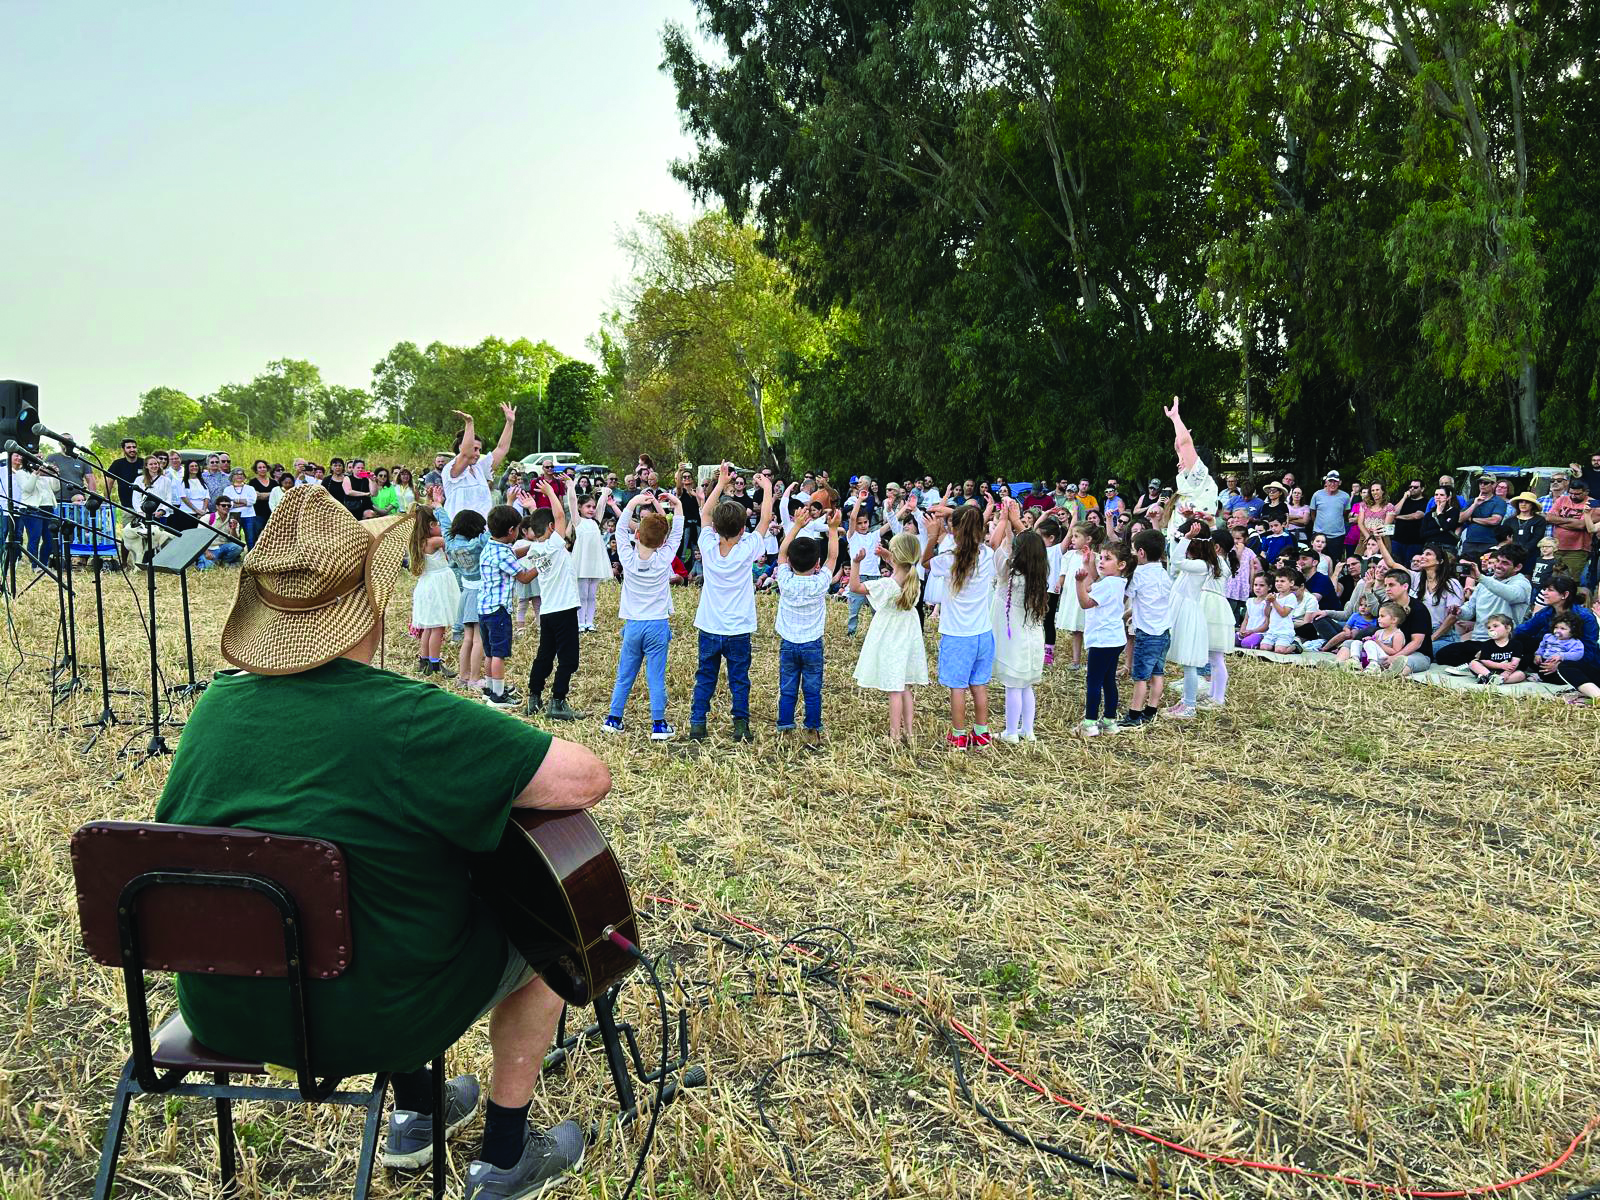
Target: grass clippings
{"points": [[1337, 924]]}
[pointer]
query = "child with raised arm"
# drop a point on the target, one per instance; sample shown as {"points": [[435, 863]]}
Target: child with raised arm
{"points": [[436, 596], [864, 535], [802, 614], [1017, 615], [558, 611], [893, 656], [590, 562], [726, 614], [646, 605], [500, 570], [966, 635], [1101, 585]]}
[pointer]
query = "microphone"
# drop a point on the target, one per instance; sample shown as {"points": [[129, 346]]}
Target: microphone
{"points": [[39, 430], [12, 447]]}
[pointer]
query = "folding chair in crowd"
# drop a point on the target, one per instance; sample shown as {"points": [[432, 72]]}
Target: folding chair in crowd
{"points": [[233, 902]]}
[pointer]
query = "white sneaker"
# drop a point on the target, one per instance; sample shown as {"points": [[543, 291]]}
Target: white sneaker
{"points": [[1089, 728], [1010, 739]]}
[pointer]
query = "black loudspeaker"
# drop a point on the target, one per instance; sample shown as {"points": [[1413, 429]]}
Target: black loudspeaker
{"points": [[19, 412]]}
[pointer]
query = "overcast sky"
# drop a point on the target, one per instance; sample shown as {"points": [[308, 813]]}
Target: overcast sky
{"points": [[194, 189]]}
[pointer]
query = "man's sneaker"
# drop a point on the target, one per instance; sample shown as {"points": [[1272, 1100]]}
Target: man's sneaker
{"points": [[503, 700], [534, 706], [546, 1157], [698, 731], [981, 740], [956, 741], [409, 1144], [562, 710], [611, 725], [741, 730], [661, 731]]}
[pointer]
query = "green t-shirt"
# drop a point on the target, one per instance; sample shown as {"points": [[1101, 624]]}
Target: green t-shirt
{"points": [[408, 780]]}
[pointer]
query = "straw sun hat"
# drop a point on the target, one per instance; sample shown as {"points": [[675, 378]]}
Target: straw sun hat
{"points": [[313, 585]]}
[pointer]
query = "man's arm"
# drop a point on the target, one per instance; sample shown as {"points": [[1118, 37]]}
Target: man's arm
{"points": [[504, 444], [833, 540], [571, 776], [469, 434]]}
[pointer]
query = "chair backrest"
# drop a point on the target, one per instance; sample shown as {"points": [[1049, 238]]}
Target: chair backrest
{"points": [[208, 900], [89, 534]]}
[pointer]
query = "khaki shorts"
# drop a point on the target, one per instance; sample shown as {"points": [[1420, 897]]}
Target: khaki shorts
{"points": [[517, 975]]}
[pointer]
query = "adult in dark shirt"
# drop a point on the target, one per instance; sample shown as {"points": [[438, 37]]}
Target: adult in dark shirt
{"points": [[354, 494], [1441, 520], [126, 471], [1409, 514], [1275, 507], [1526, 525], [689, 501], [1416, 653], [1590, 474], [1306, 559]]}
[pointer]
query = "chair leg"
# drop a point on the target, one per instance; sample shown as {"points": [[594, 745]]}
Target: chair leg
{"points": [[440, 1169], [111, 1146], [369, 1135], [225, 1155]]}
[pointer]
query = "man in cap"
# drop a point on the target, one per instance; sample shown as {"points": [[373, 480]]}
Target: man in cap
{"points": [[410, 799], [1330, 509], [1569, 528]]}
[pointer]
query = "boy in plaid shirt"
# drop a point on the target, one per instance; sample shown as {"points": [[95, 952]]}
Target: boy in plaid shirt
{"points": [[498, 568]]}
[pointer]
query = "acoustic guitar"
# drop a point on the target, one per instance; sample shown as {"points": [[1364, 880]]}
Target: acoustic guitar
{"points": [[553, 875]]}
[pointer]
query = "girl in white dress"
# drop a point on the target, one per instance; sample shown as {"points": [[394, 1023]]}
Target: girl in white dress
{"points": [[1219, 613], [590, 563], [436, 596], [1021, 601], [1083, 541], [893, 656]]}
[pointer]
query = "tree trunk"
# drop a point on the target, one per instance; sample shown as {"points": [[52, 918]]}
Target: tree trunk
{"points": [[1528, 401]]}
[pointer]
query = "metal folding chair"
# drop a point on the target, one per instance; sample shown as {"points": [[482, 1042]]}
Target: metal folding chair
{"points": [[231, 902]]}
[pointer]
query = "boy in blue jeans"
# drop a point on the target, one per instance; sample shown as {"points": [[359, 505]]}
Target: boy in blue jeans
{"points": [[1150, 600], [802, 613], [646, 560], [726, 616], [498, 567]]}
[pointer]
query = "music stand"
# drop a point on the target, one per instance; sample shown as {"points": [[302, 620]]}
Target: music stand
{"points": [[175, 558]]}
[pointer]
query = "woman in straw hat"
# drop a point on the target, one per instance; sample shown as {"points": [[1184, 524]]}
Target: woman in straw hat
{"points": [[433, 957]]}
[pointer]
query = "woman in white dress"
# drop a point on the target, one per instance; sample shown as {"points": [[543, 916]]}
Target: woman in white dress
{"points": [[590, 563], [894, 657]]}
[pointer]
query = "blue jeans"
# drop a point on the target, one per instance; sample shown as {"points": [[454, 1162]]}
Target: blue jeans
{"points": [[856, 601], [33, 530], [714, 648], [220, 554], [800, 668], [250, 527], [643, 642]]}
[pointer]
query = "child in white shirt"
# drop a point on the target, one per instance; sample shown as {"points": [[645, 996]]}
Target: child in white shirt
{"points": [[726, 615], [558, 610], [1150, 595], [645, 608], [802, 613], [1100, 586], [1286, 608]]}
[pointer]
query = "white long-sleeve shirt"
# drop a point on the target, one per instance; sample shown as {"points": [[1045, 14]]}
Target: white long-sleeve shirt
{"points": [[646, 582]]}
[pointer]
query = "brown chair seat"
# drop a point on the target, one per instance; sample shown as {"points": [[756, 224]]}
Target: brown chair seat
{"points": [[176, 1046]]}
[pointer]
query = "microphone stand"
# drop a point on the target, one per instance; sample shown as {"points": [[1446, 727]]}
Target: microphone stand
{"points": [[107, 717]]}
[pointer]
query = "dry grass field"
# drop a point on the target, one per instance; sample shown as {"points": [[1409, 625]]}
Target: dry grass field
{"points": [[1340, 924]]}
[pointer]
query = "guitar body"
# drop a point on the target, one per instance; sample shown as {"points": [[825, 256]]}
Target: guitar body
{"points": [[554, 876]]}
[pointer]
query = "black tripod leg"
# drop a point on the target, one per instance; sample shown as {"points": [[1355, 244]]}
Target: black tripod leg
{"points": [[605, 1017]]}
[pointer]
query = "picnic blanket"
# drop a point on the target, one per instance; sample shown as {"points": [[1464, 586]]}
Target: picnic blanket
{"points": [[1457, 678]]}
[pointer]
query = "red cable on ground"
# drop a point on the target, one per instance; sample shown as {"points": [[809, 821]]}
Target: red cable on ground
{"points": [[1225, 1160]]}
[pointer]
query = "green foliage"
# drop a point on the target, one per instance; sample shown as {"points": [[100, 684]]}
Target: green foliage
{"points": [[1026, 224], [569, 404]]}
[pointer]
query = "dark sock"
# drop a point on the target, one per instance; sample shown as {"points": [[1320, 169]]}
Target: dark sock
{"points": [[505, 1130], [413, 1090], [1149, 712]]}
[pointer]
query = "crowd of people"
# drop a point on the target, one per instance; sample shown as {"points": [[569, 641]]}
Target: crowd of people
{"points": [[1015, 578]]}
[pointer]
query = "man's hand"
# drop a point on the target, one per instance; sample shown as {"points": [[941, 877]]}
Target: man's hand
{"points": [[465, 417], [510, 413], [1172, 412]]}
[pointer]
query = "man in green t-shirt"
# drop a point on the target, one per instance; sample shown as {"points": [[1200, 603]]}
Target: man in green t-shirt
{"points": [[410, 782]]}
